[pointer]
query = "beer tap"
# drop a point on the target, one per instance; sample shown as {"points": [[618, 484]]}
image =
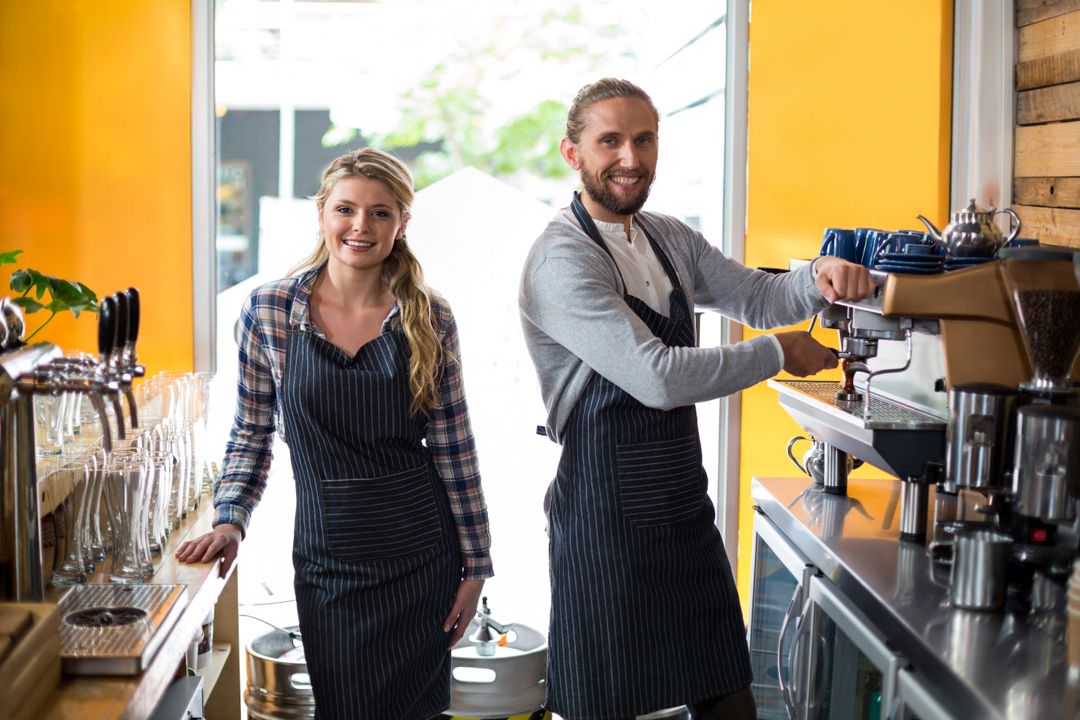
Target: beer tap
{"points": [[26, 371], [20, 530], [108, 321], [120, 370], [83, 375], [485, 639], [130, 360]]}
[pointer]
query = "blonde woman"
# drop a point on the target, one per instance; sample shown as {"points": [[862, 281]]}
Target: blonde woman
{"points": [[359, 360]]}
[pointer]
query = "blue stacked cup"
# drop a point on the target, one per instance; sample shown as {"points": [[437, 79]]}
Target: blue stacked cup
{"points": [[872, 238], [841, 243], [910, 252]]}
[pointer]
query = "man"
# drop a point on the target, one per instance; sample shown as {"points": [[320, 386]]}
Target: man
{"points": [[644, 613]]}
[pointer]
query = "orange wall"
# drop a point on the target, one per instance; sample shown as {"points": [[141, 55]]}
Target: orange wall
{"points": [[848, 126], [95, 159]]}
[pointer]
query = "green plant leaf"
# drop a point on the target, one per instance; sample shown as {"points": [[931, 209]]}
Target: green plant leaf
{"points": [[64, 295], [29, 305], [67, 291], [21, 281], [39, 282], [6, 258], [81, 306]]}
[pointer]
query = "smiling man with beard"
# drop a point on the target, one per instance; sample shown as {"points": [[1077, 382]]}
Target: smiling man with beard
{"points": [[644, 610]]}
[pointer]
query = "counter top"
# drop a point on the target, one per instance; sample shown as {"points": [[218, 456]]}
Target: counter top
{"points": [[985, 664], [80, 697]]}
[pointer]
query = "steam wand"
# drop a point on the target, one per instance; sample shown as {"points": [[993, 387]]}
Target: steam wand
{"points": [[870, 375]]}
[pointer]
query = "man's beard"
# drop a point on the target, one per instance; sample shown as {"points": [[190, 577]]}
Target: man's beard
{"points": [[601, 195]]}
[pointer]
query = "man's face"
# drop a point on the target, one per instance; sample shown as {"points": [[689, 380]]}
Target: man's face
{"points": [[616, 157]]}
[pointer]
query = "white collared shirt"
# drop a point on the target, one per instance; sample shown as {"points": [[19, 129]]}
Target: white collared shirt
{"points": [[640, 267]]}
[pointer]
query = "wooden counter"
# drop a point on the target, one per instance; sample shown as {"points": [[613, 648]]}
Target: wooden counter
{"points": [[135, 697]]}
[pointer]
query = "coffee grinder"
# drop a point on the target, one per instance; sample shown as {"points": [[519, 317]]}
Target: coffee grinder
{"points": [[1046, 301], [1045, 483], [1046, 297]]}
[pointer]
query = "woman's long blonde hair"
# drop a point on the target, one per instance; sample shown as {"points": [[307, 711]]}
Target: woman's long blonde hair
{"points": [[401, 270]]}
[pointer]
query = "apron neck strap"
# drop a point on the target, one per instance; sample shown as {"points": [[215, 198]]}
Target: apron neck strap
{"points": [[590, 229], [586, 222]]}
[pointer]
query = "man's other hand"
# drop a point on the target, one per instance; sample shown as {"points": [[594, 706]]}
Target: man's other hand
{"points": [[842, 280], [803, 355]]}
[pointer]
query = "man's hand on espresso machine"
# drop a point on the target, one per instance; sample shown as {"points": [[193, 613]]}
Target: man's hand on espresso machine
{"points": [[838, 279], [803, 355]]}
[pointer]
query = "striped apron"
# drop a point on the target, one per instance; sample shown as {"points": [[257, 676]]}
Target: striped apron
{"points": [[376, 555], [645, 614]]}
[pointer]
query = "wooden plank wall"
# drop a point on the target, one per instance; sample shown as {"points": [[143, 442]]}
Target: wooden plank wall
{"points": [[1046, 167]]}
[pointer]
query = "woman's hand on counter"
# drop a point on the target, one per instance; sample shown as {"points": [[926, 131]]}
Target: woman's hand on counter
{"points": [[468, 595], [838, 279], [223, 540]]}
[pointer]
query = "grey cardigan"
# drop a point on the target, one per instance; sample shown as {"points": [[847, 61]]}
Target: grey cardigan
{"points": [[576, 321]]}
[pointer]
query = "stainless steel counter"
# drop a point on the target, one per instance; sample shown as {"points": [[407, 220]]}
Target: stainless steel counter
{"points": [[984, 664]]}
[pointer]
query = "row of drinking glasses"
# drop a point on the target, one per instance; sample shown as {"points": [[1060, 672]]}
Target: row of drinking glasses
{"points": [[123, 504]]}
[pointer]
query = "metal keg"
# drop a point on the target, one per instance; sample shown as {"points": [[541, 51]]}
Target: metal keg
{"points": [[278, 684], [498, 671]]}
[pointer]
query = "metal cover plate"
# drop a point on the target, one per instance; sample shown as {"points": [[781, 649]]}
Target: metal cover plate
{"points": [[885, 414], [123, 649]]}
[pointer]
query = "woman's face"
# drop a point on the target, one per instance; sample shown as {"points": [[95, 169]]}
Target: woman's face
{"points": [[360, 221]]}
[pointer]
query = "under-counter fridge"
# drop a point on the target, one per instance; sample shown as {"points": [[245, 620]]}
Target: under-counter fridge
{"points": [[815, 655]]}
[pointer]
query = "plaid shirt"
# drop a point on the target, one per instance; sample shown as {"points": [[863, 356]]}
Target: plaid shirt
{"points": [[265, 320]]}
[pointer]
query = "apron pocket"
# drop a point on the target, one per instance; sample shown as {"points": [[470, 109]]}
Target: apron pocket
{"points": [[381, 518], [660, 482]]}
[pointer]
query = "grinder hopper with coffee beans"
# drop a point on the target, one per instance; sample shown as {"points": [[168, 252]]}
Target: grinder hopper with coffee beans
{"points": [[966, 385]]}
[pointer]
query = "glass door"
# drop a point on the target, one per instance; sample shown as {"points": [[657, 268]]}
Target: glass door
{"points": [[915, 701], [852, 672], [777, 600]]}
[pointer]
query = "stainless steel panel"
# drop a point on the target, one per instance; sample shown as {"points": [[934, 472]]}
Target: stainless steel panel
{"points": [[895, 438]]}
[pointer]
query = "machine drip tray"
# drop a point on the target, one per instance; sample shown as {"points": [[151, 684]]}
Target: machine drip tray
{"points": [[896, 438], [116, 629], [884, 414]]}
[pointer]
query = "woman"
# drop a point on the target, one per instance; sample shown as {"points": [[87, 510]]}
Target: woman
{"points": [[359, 359]]}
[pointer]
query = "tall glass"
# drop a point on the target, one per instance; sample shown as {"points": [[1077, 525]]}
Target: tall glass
{"points": [[165, 440], [202, 388], [161, 471], [50, 424], [69, 568], [93, 518], [125, 483]]}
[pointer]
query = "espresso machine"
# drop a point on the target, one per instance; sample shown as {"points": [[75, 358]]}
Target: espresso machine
{"points": [[965, 382]]}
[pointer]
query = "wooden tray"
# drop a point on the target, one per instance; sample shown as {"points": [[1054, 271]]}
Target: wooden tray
{"points": [[30, 671]]}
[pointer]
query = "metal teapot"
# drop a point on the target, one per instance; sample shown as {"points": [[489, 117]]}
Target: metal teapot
{"points": [[972, 232]]}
